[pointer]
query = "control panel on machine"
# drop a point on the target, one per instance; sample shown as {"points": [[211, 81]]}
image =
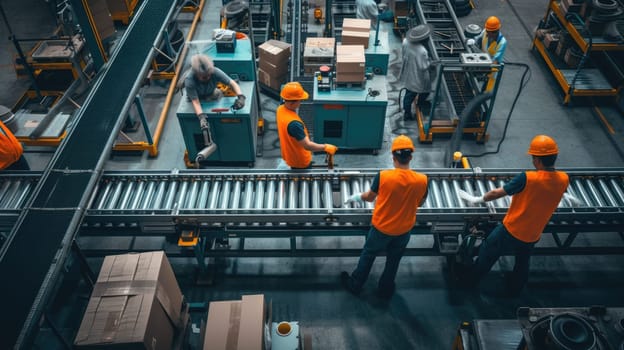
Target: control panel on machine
{"points": [[324, 78]]}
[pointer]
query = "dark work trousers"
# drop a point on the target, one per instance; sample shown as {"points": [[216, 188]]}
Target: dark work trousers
{"points": [[376, 242], [497, 243], [409, 98]]}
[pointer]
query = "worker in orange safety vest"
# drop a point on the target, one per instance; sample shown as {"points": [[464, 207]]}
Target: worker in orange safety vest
{"points": [[295, 144], [11, 151], [536, 195]]}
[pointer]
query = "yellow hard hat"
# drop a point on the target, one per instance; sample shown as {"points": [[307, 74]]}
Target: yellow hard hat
{"points": [[492, 24], [293, 91], [402, 142], [543, 145]]}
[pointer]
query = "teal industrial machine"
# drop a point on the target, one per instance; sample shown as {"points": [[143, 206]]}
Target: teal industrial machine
{"points": [[232, 131], [377, 53], [238, 64], [351, 117]]}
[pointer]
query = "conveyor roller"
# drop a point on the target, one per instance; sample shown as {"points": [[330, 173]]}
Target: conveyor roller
{"points": [[217, 198]]}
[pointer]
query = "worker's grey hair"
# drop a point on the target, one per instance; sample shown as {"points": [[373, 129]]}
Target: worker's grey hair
{"points": [[202, 65]]}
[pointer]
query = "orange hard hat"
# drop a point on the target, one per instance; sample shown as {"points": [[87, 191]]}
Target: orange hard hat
{"points": [[402, 142], [492, 24], [293, 91], [543, 145]]}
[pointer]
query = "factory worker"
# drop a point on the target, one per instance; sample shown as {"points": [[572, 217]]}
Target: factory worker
{"points": [[494, 43], [399, 192], [202, 84], [416, 69], [11, 151], [536, 195], [295, 145], [367, 9]]}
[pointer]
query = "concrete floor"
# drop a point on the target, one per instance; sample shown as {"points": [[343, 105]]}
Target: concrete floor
{"points": [[426, 310]]}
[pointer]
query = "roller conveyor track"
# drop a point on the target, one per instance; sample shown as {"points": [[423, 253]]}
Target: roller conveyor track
{"points": [[448, 43], [261, 199]]}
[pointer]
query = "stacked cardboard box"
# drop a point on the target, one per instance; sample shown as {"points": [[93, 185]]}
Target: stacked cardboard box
{"points": [[356, 31], [273, 61], [550, 41], [318, 52], [136, 303], [350, 64], [102, 18], [237, 324]]}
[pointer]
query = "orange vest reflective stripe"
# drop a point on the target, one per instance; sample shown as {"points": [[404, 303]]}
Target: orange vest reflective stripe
{"points": [[399, 194], [10, 148], [531, 208], [293, 154]]}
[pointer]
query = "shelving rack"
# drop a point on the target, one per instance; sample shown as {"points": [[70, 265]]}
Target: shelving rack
{"points": [[581, 80]]}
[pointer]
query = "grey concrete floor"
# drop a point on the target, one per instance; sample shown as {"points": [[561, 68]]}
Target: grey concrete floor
{"points": [[426, 310]]}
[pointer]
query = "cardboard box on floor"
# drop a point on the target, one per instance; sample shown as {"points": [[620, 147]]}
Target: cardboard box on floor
{"points": [[237, 324], [274, 51], [136, 303]]}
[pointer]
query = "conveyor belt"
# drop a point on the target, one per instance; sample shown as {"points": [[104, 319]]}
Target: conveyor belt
{"points": [[260, 198], [46, 227]]}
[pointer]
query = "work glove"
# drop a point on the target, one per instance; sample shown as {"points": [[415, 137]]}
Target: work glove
{"points": [[330, 149], [574, 202], [203, 121], [470, 199], [355, 198], [470, 42], [239, 103]]}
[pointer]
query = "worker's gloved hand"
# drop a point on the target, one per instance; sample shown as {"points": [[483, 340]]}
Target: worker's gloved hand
{"points": [[330, 149], [355, 198], [470, 42], [470, 199], [574, 202], [203, 121], [239, 103]]}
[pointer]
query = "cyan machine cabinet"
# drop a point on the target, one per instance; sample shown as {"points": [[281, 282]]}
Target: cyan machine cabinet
{"points": [[234, 132], [351, 118], [237, 64]]}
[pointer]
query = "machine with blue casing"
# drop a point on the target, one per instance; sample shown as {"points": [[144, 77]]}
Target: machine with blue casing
{"points": [[377, 55], [351, 117], [238, 64], [234, 132]]}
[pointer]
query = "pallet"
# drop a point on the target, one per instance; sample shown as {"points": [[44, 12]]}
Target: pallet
{"points": [[351, 84]]}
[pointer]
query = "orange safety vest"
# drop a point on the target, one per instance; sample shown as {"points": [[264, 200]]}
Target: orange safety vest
{"points": [[293, 154], [10, 148], [531, 208], [399, 194]]}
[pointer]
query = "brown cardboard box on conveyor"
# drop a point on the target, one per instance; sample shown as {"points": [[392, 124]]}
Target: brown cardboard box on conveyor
{"points": [[136, 303]]}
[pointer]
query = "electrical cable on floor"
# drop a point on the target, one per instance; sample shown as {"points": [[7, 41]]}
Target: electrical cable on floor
{"points": [[523, 82]]}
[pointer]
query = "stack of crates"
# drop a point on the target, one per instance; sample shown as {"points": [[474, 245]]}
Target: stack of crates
{"points": [[317, 52]]}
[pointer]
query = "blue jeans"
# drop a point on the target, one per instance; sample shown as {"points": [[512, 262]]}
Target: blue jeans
{"points": [[497, 243], [377, 242]]}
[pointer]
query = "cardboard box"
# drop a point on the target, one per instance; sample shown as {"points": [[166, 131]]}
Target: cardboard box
{"points": [[350, 78], [136, 303], [350, 37], [562, 46], [273, 69], [274, 51], [350, 59], [551, 41], [572, 57], [356, 25], [102, 18], [236, 325], [272, 81], [328, 43]]}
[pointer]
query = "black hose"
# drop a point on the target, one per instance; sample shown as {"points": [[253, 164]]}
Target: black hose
{"points": [[523, 82]]}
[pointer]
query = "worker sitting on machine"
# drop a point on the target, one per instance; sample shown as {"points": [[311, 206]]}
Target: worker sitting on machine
{"points": [[296, 146], [494, 43], [202, 84], [416, 70], [11, 151]]}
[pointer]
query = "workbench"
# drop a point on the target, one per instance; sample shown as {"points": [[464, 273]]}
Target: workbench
{"points": [[234, 132], [351, 117]]}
